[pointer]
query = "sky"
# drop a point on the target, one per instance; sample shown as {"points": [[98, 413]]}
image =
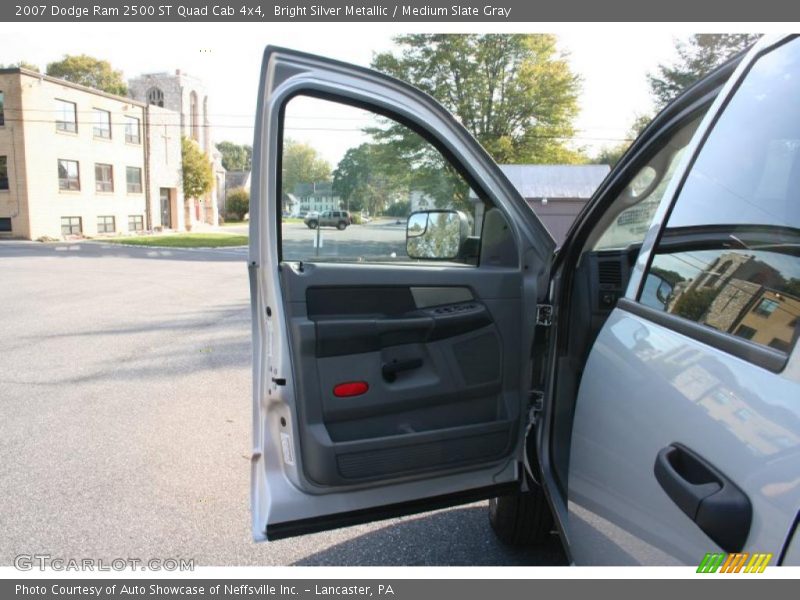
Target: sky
{"points": [[612, 60]]}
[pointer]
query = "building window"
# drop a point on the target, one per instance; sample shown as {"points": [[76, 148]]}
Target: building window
{"points": [[68, 175], [155, 97], [780, 344], [5, 224], [102, 124], [71, 226], [766, 307], [194, 117], [132, 135], [66, 119], [106, 224], [103, 178], [3, 172], [135, 223], [746, 332], [134, 179], [2, 110]]}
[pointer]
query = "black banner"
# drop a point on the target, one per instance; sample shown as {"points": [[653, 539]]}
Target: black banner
{"points": [[473, 11], [731, 588]]}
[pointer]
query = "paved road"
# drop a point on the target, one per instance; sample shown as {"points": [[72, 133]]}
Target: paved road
{"points": [[380, 238], [125, 430]]}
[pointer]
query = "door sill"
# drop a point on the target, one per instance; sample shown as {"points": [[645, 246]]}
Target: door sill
{"points": [[287, 529]]}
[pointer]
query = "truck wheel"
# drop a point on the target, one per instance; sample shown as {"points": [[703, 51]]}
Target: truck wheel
{"points": [[521, 519], [341, 226], [312, 224]]}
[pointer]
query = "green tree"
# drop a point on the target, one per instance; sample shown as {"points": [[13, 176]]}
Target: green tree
{"points": [[698, 55], [22, 64], [515, 93], [89, 71], [398, 209], [236, 157], [237, 204], [302, 163], [671, 277], [610, 155], [793, 287], [693, 304], [366, 178], [198, 176]]}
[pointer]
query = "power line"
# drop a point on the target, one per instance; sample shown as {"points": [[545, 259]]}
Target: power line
{"points": [[156, 125]]}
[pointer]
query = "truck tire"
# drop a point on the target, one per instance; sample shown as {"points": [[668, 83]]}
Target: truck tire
{"points": [[341, 226], [312, 224], [521, 519]]}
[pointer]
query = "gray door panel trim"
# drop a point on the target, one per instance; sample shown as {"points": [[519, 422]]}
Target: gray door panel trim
{"points": [[761, 356]]}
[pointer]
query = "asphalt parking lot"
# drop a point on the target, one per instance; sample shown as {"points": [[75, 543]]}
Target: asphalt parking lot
{"points": [[125, 395], [381, 237]]}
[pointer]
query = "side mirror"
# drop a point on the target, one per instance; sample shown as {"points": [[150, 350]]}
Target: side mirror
{"points": [[656, 291], [436, 234]]}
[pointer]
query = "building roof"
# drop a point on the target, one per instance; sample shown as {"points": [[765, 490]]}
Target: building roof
{"points": [[77, 86], [236, 179], [316, 188], [556, 181]]}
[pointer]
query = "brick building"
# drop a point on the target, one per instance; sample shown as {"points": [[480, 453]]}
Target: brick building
{"points": [[77, 161]]}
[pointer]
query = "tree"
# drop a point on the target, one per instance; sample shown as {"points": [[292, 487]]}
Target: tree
{"points": [[515, 93], [693, 304], [236, 157], [302, 163], [89, 71], [365, 178], [21, 64], [198, 176], [671, 277], [610, 155], [698, 55], [237, 203]]}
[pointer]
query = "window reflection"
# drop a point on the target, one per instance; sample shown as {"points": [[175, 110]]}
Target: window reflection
{"points": [[728, 257], [751, 292]]}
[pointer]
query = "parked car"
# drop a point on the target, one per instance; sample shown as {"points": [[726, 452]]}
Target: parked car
{"points": [[637, 391], [329, 218]]}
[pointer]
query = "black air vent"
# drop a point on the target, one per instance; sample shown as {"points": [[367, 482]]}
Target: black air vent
{"points": [[610, 273]]}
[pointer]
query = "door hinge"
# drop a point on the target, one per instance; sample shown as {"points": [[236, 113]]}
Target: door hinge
{"points": [[544, 315], [535, 405]]}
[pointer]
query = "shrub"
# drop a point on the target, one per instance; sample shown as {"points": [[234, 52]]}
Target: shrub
{"points": [[237, 204]]}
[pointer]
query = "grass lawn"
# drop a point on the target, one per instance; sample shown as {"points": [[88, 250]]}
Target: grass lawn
{"points": [[184, 240]]}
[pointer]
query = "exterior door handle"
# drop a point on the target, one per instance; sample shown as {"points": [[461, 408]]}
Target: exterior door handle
{"points": [[716, 504]]}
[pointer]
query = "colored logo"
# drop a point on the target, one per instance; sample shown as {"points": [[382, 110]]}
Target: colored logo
{"points": [[740, 562]]}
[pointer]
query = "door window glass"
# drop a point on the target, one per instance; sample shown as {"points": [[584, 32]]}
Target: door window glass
{"points": [[350, 179], [729, 257]]}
